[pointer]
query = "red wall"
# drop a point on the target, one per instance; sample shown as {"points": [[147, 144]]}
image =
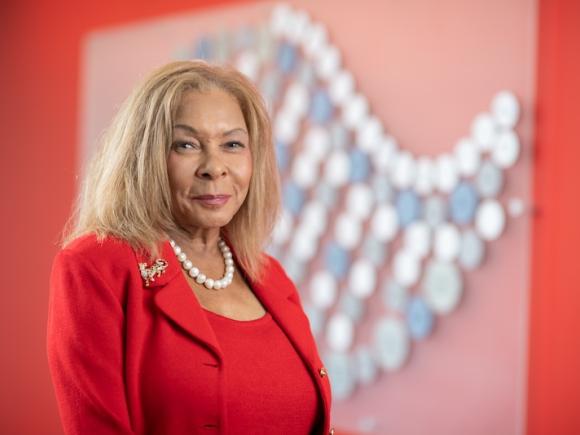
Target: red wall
{"points": [[40, 42], [39, 76], [554, 369]]}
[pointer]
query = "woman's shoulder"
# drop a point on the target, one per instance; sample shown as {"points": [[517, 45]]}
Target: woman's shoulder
{"points": [[99, 252]]}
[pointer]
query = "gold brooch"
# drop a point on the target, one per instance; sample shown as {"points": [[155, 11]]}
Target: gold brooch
{"points": [[156, 269]]}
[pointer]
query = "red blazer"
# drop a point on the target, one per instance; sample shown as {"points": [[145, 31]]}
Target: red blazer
{"points": [[130, 359]]}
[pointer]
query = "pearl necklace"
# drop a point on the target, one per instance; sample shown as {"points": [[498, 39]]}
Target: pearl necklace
{"points": [[200, 278]]}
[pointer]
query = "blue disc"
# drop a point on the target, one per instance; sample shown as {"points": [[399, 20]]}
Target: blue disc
{"points": [[336, 260], [359, 165], [408, 207], [203, 49], [320, 107], [286, 57], [463, 203], [282, 156], [293, 197], [351, 306], [419, 318]]}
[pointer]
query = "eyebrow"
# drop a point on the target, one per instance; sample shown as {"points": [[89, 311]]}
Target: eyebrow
{"points": [[196, 132]]}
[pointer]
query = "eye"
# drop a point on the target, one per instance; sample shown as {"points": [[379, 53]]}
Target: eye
{"points": [[184, 146], [235, 144]]}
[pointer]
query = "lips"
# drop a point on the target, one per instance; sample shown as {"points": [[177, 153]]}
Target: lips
{"points": [[212, 200]]}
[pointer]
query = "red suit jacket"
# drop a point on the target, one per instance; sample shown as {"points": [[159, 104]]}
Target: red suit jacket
{"points": [[126, 358]]}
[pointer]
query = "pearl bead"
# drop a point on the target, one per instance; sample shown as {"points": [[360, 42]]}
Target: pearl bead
{"points": [[199, 277]]}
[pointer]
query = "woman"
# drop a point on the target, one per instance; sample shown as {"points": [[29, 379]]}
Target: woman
{"points": [[165, 317]]}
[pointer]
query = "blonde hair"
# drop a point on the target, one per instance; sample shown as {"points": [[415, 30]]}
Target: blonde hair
{"points": [[126, 192]]}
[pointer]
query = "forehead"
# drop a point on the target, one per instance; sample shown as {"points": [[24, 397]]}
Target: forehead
{"points": [[209, 105]]}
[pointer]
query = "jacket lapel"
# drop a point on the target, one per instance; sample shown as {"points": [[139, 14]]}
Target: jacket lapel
{"points": [[176, 300], [274, 295]]}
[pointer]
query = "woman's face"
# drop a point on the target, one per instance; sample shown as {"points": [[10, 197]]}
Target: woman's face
{"points": [[210, 163]]}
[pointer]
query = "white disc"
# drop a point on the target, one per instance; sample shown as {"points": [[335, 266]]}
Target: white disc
{"points": [[283, 228], [406, 267], [385, 223], [404, 170], [300, 22], [359, 200], [314, 218], [384, 156], [305, 171], [339, 332], [490, 219], [347, 231], [280, 18], [286, 127], [447, 242], [417, 238], [297, 99], [248, 64], [484, 131], [362, 278], [303, 244], [442, 286], [467, 157], [328, 62], [317, 143], [323, 289], [425, 176], [337, 169], [341, 87], [354, 110], [506, 149], [505, 109], [315, 38], [446, 174], [392, 344], [369, 134]]}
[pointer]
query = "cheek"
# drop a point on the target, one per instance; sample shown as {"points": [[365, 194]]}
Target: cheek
{"points": [[176, 175]]}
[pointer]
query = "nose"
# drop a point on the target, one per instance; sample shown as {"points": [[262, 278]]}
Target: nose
{"points": [[211, 166]]}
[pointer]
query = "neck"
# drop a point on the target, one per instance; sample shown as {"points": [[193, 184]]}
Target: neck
{"points": [[198, 241]]}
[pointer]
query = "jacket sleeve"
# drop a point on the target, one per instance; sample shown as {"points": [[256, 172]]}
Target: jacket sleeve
{"points": [[85, 349]]}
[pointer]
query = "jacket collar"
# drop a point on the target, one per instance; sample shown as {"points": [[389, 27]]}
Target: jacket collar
{"points": [[178, 302]]}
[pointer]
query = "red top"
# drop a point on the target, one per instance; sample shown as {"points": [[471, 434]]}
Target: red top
{"points": [[269, 390]]}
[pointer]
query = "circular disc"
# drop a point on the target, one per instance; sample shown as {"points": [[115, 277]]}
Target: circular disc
{"points": [[391, 341], [406, 267], [490, 220], [323, 289], [447, 242], [442, 286], [505, 109], [362, 278], [339, 332]]}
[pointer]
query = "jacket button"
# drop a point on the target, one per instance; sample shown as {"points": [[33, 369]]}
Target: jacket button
{"points": [[322, 372]]}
